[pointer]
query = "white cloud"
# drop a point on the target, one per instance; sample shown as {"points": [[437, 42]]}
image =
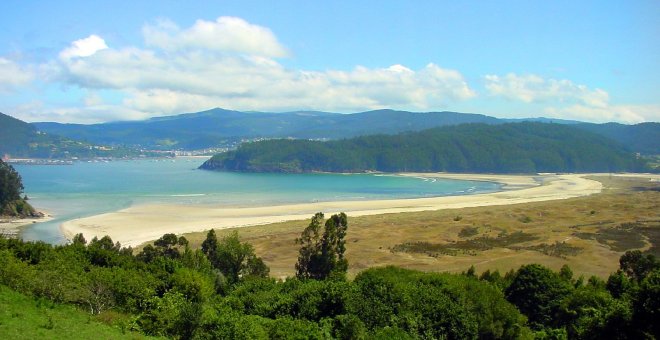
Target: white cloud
{"points": [[226, 34], [630, 114], [13, 75], [271, 87], [164, 82], [84, 47], [38, 111], [567, 100], [93, 99], [532, 88], [234, 64]]}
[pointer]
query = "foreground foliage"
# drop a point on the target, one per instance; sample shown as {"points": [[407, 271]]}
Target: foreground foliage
{"points": [[23, 317], [222, 291]]}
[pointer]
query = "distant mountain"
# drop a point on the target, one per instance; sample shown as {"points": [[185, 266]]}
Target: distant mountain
{"points": [[15, 135], [217, 126], [643, 138], [222, 127], [527, 147], [19, 139]]}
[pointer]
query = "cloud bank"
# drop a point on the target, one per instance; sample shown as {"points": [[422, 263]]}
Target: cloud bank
{"points": [[231, 63], [565, 99]]}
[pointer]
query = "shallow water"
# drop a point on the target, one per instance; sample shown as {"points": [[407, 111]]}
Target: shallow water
{"points": [[85, 189]]}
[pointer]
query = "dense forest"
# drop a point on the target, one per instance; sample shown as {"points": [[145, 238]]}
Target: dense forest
{"points": [[222, 291], [508, 148]]}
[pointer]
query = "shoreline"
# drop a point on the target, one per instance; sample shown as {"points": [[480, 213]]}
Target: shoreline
{"points": [[12, 226], [140, 224]]}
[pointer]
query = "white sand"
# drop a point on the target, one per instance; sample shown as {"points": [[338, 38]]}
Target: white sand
{"points": [[10, 226], [139, 224]]}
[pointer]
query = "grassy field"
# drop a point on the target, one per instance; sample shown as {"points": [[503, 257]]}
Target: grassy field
{"points": [[588, 233], [23, 317]]}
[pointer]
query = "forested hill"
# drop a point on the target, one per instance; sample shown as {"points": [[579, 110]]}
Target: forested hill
{"points": [[508, 148], [15, 135], [19, 139], [219, 127]]}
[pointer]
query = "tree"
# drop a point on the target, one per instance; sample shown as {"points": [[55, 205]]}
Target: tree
{"points": [[537, 292], [234, 259], [11, 185], [210, 244], [636, 266], [322, 255], [167, 245], [566, 273], [646, 305], [11, 188]]}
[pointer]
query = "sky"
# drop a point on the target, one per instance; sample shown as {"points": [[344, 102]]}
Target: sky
{"points": [[97, 61]]}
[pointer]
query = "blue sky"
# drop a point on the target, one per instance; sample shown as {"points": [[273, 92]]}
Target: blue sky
{"points": [[93, 61]]}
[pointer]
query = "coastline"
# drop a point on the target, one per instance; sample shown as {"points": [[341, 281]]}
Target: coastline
{"points": [[12, 226], [139, 224]]}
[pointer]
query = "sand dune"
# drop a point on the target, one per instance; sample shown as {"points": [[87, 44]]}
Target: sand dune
{"points": [[139, 224]]}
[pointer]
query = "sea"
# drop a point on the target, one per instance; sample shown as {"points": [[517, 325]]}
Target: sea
{"points": [[89, 188]]}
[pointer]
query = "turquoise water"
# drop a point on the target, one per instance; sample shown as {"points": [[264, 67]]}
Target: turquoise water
{"points": [[85, 189]]}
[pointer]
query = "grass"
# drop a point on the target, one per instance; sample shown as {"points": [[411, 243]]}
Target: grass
{"points": [[470, 247], [558, 249], [620, 238], [468, 232], [23, 317], [553, 225]]}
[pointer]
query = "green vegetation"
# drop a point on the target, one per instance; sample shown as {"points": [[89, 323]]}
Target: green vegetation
{"points": [[218, 127], [466, 246], [642, 138], [507, 148], [19, 139], [467, 231], [620, 238], [11, 189], [222, 291], [25, 317], [558, 249], [175, 296], [321, 256]]}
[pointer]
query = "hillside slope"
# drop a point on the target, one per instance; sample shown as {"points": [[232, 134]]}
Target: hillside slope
{"points": [[508, 148], [19, 139], [219, 127]]}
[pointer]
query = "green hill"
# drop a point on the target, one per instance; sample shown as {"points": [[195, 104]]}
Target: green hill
{"points": [[508, 148], [643, 138], [219, 127], [224, 127], [19, 139], [23, 317]]}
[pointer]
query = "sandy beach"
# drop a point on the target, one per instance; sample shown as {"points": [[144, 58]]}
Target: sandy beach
{"points": [[139, 224], [12, 226]]}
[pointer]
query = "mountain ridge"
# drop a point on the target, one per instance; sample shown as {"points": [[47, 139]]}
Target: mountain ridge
{"points": [[215, 127]]}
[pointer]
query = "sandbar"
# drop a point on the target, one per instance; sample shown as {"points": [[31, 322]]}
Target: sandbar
{"points": [[143, 223], [11, 226]]}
